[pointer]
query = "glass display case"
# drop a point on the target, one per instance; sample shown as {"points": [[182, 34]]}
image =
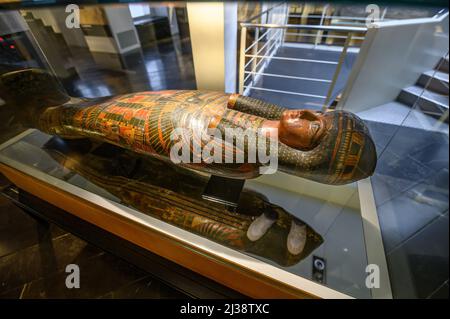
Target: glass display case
{"points": [[350, 235], [341, 263]]}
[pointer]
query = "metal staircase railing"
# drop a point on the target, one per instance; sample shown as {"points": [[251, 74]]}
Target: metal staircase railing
{"points": [[268, 38]]}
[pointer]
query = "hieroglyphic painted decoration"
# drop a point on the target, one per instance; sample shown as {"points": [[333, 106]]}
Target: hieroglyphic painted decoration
{"points": [[143, 122]]}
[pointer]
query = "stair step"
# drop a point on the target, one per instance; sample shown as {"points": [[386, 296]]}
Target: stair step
{"points": [[443, 65], [430, 103], [435, 81]]}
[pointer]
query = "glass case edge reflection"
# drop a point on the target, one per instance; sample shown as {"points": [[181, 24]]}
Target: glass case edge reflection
{"points": [[373, 240]]}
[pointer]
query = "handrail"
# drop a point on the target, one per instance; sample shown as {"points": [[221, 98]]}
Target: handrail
{"points": [[333, 36], [305, 26], [437, 18], [256, 54], [337, 71], [291, 59], [332, 17], [289, 77], [287, 92], [252, 56], [339, 29], [264, 12]]}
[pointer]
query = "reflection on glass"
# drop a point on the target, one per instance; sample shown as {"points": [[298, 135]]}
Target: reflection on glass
{"points": [[173, 194], [122, 47]]}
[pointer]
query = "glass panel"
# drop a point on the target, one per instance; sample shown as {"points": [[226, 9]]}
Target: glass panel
{"points": [[94, 61], [143, 183], [411, 183], [128, 48]]}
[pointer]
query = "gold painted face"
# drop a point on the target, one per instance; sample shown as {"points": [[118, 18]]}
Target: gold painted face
{"points": [[301, 129]]}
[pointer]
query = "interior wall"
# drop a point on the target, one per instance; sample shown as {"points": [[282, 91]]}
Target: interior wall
{"points": [[206, 27], [230, 38]]}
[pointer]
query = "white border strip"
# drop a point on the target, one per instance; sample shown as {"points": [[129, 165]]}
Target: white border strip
{"points": [[373, 240]]}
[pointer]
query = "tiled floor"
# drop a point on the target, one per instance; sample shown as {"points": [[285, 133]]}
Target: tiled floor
{"points": [[411, 192], [410, 183], [419, 266], [159, 67]]}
